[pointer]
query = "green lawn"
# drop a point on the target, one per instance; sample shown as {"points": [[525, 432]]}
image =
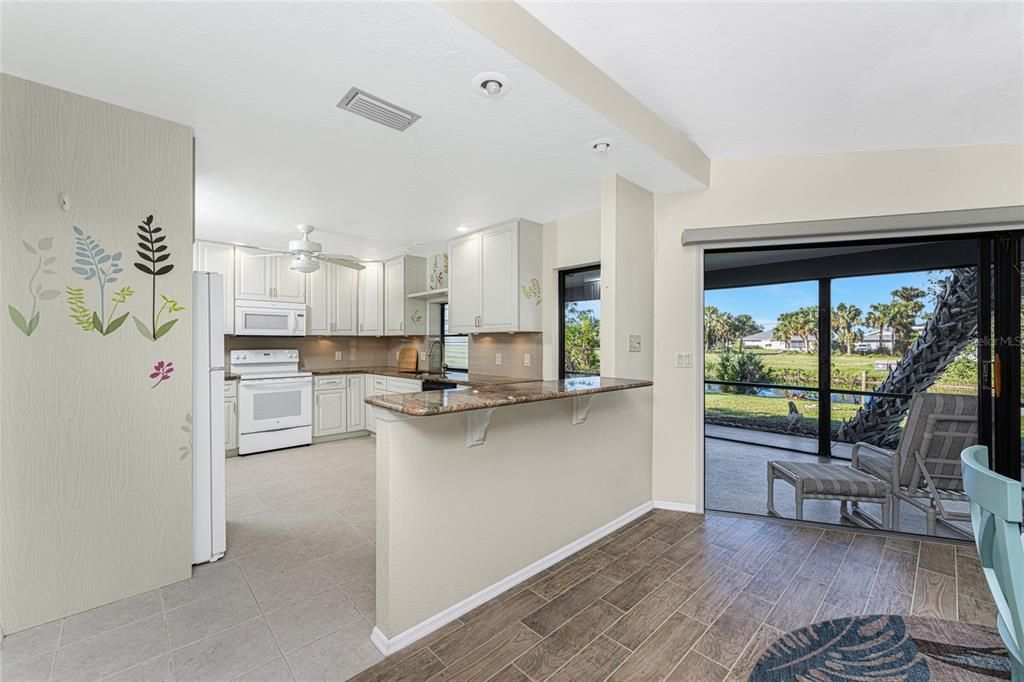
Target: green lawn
{"points": [[848, 366], [772, 413]]}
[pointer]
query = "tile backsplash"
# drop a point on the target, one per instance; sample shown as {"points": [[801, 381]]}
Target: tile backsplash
{"points": [[318, 352]]}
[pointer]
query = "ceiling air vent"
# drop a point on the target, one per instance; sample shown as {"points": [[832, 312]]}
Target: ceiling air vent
{"points": [[374, 108]]}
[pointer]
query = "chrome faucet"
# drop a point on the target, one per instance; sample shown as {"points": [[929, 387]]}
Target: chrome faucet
{"points": [[430, 354]]}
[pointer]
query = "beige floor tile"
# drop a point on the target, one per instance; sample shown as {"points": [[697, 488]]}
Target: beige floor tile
{"points": [[308, 518], [255, 532], [205, 617], [297, 583], [273, 561], [334, 539], [31, 669], [275, 671], [352, 564], [30, 643], [112, 651], [206, 580], [306, 621], [227, 654], [110, 616], [362, 593], [154, 670], [337, 656]]}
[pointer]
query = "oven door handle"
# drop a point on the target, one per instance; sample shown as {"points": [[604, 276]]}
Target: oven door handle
{"points": [[253, 384]]}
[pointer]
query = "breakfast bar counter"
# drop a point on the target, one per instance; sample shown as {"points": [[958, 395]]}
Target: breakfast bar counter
{"points": [[485, 396]]}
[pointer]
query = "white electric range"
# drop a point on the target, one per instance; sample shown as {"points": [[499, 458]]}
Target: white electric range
{"points": [[275, 400]]}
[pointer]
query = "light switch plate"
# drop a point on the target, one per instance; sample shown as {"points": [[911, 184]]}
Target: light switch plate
{"points": [[497, 358], [634, 343], [339, 355], [423, 358], [526, 359], [684, 360]]}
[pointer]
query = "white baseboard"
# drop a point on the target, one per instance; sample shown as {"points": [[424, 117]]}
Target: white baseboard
{"points": [[388, 646], [675, 506]]}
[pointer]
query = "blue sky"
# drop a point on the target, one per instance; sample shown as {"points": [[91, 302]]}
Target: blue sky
{"points": [[764, 303]]}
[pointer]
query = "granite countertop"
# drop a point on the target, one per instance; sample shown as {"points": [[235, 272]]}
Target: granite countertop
{"points": [[430, 403]]}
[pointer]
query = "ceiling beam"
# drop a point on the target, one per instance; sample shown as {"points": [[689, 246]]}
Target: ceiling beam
{"points": [[516, 31]]}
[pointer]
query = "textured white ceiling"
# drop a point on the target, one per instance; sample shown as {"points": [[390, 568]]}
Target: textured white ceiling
{"points": [[751, 79], [259, 82]]}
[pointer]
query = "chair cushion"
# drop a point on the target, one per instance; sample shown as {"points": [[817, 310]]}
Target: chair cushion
{"points": [[874, 463], [832, 479]]}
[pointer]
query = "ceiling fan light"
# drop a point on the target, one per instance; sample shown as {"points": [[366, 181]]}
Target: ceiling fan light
{"points": [[305, 264]]}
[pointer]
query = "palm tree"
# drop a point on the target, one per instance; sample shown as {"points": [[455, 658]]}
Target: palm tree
{"points": [[880, 316], [948, 331], [807, 325], [743, 325], [716, 327], [785, 328], [845, 319]]}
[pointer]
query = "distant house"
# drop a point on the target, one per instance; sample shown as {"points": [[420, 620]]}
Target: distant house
{"points": [[875, 341], [766, 341]]}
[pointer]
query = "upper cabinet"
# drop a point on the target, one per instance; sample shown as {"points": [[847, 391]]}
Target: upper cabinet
{"points": [[215, 257], [494, 279], [267, 276], [331, 298], [404, 316], [371, 300]]}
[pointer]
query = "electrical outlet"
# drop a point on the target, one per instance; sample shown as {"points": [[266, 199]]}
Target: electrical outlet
{"points": [[526, 359], [497, 358], [684, 360], [339, 355], [634, 343], [423, 358], [398, 355]]}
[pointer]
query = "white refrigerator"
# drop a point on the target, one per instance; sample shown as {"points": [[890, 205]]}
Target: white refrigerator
{"points": [[209, 524]]}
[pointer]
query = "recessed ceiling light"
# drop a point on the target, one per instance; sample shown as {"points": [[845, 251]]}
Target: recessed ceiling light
{"points": [[602, 145], [490, 84], [462, 228]]}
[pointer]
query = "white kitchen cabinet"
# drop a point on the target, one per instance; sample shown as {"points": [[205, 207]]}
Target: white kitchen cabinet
{"points": [[230, 416], [266, 276], [217, 257], [404, 316], [371, 299], [494, 280], [331, 299], [375, 385], [330, 412], [463, 283], [398, 385], [356, 407]]}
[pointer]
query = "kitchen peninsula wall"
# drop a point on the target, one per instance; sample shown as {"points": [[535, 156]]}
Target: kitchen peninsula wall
{"points": [[318, 352]]}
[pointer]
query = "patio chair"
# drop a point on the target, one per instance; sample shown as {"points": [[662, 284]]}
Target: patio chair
{"points": [[996, 518], [925, 470]]}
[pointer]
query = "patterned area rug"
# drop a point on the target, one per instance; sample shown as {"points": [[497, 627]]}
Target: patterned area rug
{"points": [[885, 648]]}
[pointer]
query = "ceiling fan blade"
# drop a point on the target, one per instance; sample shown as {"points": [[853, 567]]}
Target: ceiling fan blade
{"points": [[342, 261]]}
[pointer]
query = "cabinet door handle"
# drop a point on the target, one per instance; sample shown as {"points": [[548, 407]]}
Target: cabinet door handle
{"points": [[401, 326], [318, 401]]}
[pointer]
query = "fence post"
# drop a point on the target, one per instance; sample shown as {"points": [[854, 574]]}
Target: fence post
{"points": [[863, 383]]}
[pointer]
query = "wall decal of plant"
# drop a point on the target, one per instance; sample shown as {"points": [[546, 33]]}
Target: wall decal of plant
{"points": [[77, 310], [532, 291], [153, 252], [92, 262], [186, 449], [28, 323], [162, 371]]}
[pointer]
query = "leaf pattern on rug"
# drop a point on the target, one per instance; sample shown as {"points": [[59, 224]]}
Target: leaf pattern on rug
{"points": [[871, 647]]}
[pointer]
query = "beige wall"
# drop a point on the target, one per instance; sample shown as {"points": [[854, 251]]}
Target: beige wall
{"points": [[571, 242], [783, 189], [95, 493], [627, 278], [453, 520]]}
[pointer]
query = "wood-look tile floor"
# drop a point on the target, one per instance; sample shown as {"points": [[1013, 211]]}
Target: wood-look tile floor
{"points": [[677, 596]]}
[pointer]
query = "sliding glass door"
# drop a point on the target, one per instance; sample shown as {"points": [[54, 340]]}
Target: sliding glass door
{"points": [[811, 350]]}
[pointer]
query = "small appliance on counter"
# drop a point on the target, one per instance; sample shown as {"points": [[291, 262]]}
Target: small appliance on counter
{"points": [[209, 517], [275, 400]]}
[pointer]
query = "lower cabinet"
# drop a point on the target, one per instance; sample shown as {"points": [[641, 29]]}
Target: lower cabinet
{"points": [[330, 416], [338, 404], [230, 416]]}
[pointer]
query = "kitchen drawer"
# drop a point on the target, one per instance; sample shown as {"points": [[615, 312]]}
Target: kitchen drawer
{"points": [[396, 385], [230, 389], [331, 381], [380, 382]]}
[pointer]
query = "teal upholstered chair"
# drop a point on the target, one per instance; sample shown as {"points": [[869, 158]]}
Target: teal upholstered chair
{"points": [[996, 517]]}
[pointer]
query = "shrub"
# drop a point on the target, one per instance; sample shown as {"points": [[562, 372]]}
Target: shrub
{"points": [[738, 365]]}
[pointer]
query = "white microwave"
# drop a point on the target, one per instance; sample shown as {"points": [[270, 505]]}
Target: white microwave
{"points": [[268, 318]]}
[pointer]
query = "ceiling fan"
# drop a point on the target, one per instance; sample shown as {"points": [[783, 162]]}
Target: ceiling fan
{"points": [[309, 254]]}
